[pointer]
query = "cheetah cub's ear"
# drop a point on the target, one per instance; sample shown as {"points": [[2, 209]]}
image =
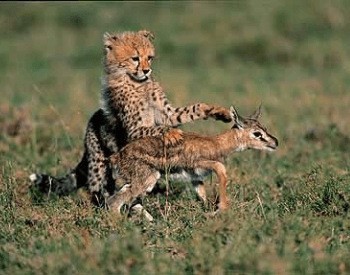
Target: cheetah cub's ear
{"points": [[147, 34], [106, 36], [107, 41], [236, 118]]}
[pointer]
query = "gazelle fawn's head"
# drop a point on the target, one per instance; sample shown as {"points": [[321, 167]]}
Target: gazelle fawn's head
{"points": [[253, 134]]}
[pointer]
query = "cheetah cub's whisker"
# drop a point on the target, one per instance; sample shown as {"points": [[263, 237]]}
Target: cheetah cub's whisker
{"points": [[141, 163]]}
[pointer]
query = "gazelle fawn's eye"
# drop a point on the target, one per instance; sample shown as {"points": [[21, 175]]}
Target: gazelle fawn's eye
{"points": [[136, 59], [257, 134]]}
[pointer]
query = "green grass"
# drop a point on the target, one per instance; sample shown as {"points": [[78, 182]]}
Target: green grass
{"points": [[289, 210]]}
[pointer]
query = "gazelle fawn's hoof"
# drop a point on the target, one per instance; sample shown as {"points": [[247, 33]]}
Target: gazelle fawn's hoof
{"points": [[138, 208], [223, 206]]}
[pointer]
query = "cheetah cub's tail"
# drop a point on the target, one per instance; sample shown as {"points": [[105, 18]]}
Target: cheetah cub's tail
{"points": [[59, 186]]}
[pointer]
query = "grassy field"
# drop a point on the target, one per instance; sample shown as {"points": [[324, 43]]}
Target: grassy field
{"points": [[289, 210]]}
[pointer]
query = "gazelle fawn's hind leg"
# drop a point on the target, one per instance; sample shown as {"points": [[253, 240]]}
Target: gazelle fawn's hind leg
{"points": [[116, 201], [135, 188], [220, 171], [200, 190], [150, 182]]}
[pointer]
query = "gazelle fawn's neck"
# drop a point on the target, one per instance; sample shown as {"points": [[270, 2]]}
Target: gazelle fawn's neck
{"points": [[231, 140]]}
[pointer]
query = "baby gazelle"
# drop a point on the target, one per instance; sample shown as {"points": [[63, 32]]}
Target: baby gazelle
{"points": [[141, 163]]}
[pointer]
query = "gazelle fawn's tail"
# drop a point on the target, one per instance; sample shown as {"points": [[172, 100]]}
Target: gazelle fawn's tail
{"points": [[59, 186]]}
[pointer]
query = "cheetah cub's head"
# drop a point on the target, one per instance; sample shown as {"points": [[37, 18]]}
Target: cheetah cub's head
{"points": [[129, 53]]}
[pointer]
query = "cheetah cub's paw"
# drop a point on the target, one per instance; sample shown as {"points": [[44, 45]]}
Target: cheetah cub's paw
{"points": [[220, 113]]}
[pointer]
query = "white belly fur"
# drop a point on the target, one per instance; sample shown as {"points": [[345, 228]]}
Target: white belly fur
{"points": [[189, 176]]}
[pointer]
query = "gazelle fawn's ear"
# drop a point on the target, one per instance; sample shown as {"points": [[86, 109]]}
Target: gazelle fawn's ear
{"points": [[257, 114], [235, 117], [147, 34]]}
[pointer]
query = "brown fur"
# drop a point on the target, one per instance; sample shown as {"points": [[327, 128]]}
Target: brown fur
{"points": [[141, 162]]}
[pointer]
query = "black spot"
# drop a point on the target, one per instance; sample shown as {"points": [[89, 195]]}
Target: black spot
{"points": [[192, 117], [194, 108], [95, 170], [177, 109], [208, 111], [178, 118]]}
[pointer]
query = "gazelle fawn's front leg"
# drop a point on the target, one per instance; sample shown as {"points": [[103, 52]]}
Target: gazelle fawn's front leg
{"points": [[220, 171]]}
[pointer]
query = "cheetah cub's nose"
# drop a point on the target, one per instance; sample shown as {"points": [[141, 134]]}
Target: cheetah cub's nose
{"points": [[146, 71]]}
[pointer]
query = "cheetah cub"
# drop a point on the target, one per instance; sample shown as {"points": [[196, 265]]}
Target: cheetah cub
{"points": [[141, 163]]}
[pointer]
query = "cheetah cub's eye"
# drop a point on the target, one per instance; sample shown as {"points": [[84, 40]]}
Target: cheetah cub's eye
{"points": [[136, 59], [150, 58]]}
